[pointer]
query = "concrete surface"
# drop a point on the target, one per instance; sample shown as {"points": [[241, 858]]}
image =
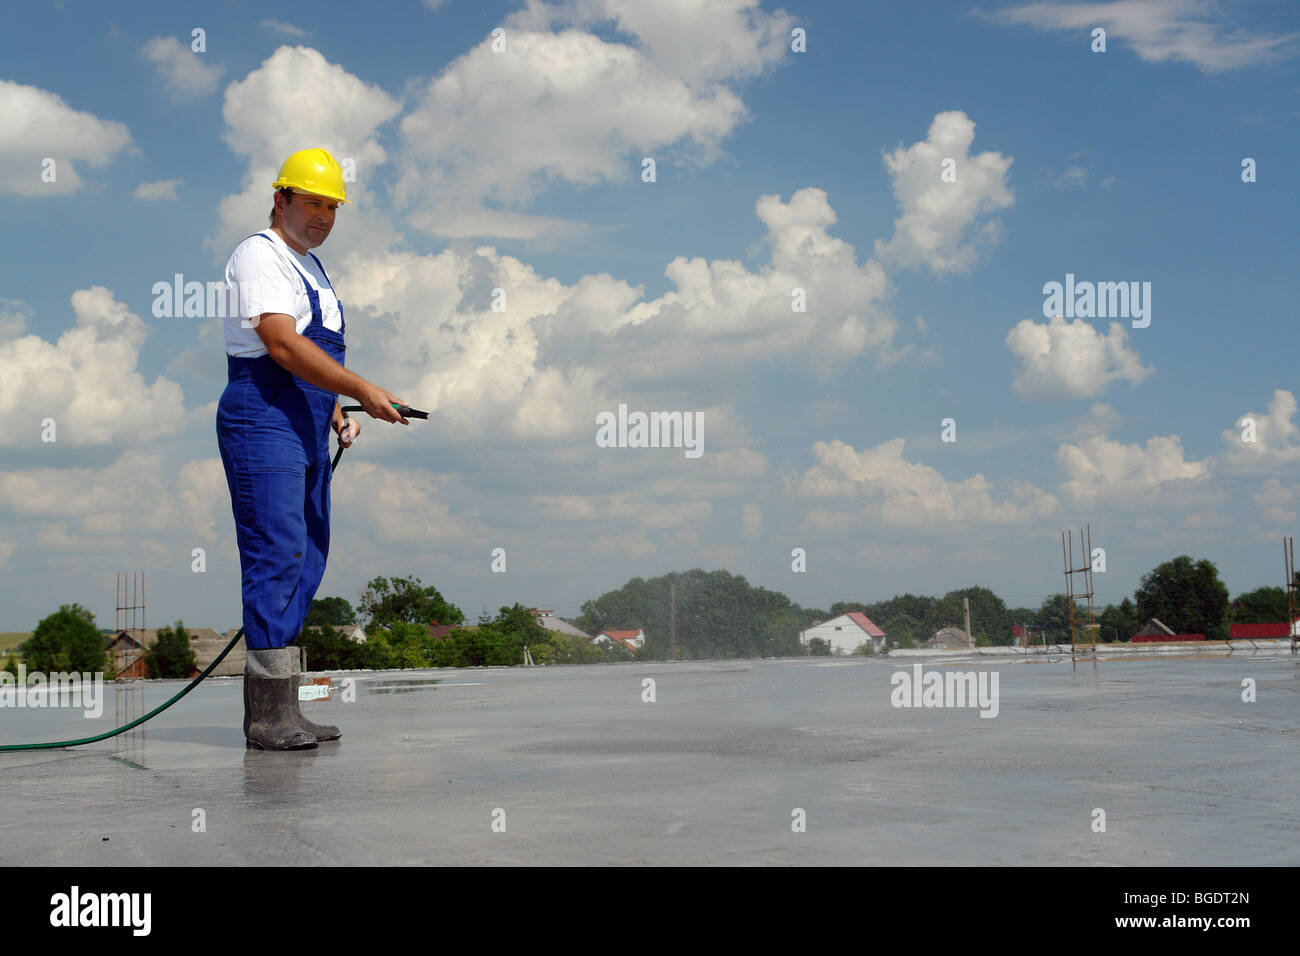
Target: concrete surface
{"points": [[710, 773]]}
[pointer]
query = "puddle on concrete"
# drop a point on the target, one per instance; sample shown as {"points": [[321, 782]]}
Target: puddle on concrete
{"points": [[229, 735], [401, 685], [129, 763]]}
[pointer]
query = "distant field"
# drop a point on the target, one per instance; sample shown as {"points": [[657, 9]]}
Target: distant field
{"points": [[11, 639]]}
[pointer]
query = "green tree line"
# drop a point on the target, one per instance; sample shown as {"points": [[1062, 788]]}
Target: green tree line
{"points": [[396, 614], [694, 614]]}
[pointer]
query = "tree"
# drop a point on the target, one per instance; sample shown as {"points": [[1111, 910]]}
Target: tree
{"points": [[989, 619], [920, 609], [779, 633], [330, 612], [902, 629], [1130, 616], [329, 650], [385, 603], [1054, 619], [11, 664], [718, 614], [571, 649], [1119, 622], [1261, 606], [520, 624], [1024, 616], [172, 656], [407, 642], [1187, 596], [66, 640]]}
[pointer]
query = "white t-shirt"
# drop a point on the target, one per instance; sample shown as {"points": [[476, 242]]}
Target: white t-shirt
{"points": [[260, 277]]}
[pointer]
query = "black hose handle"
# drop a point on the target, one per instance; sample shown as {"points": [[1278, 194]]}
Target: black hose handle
{"points": [[406, 411]]}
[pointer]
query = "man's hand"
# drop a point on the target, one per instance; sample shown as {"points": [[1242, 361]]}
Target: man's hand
{"points": [[378, 403], [304, 358], [346, 428]]}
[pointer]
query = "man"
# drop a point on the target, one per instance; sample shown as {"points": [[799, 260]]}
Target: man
{"points": [[284, 356]]}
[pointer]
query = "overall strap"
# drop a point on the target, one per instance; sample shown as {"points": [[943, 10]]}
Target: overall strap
{"points": [[313, 297], [343, 325]]}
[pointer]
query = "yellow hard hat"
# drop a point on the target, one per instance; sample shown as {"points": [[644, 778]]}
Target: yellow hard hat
{"points": [[313, 171]]}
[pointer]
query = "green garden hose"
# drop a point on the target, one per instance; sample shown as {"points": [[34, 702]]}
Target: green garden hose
{"points": [[135, 723]]}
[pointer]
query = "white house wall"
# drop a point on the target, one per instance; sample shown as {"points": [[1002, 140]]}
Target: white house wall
{"points": [[848, 637]]}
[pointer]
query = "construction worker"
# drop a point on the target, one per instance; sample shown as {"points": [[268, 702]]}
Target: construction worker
{"points": [[284, 355]]}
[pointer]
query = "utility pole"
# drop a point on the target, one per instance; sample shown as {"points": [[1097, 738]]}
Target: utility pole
{"points": [[672, 621], [965, 604]]}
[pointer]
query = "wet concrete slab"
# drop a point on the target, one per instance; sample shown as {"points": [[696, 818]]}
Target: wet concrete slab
{"points": [[572, 766]]}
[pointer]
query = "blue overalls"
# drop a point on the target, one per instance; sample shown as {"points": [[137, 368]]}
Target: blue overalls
{"points": [[273, 430]]}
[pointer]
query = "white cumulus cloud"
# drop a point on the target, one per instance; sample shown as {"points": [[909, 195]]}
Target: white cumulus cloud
{"points": [[721, 313], [185, 72], [890, 490], [1062, 361], [38, 126], [699, 42], [1276, 438], [1101, 470], [557, 353], [500, 126], [87, 381], [101, 508], [14, 314], [939, 227]]}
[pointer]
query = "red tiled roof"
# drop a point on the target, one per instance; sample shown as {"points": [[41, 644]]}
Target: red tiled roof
{"points": [[622, 635], [864, 622], [439, 631], [1280, 629]]}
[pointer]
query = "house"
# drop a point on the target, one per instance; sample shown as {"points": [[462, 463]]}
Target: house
{"points": [[845, 633], [353, 632], [1155, 628], [549, 621], [129, 649], [207, 644], [949, 639], [632, 640], [125, 646]]}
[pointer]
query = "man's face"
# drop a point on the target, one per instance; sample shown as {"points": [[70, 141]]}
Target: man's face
{"points": [[308, 219]]}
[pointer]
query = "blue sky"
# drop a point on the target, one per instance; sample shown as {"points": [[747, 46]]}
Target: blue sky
{"points": [[521, 169]]}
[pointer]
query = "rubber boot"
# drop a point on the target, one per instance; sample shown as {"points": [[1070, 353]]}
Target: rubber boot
{"points": [[270, 702], [322, 732]]}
